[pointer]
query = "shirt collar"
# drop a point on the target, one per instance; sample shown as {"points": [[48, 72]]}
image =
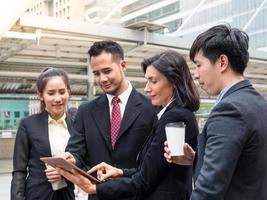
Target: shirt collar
{"points": [[60, 121], [223, 92], [123, 97], [161, 112]]}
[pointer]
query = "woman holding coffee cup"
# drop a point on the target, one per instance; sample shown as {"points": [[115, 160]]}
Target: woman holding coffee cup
{"points": [[169, 85]]}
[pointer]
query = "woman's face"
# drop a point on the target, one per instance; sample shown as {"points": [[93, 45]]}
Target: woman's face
{"points": [[55, 96], [158, 87]]}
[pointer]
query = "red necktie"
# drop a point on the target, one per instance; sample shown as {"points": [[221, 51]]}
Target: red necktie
{"points": [[115, 120]]}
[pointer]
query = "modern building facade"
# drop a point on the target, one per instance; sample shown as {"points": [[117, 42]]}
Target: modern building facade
{"points": [[64, 9], [12, 110], [186, 18], [94, 11], [97, 11], [42, 7], [68, 9]]}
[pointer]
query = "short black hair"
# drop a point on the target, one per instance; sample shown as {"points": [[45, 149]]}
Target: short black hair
{"points": [[222, 39], [107, 46], [174, 67]]}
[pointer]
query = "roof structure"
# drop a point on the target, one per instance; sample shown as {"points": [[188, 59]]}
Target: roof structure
{"points": [[35, 42]]}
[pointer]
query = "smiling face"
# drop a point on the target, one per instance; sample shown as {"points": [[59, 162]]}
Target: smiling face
{"points": [[208, 74], [55, 96], [109, 73], [158, 87]]}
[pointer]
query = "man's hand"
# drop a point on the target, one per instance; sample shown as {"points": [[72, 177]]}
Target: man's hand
{"points": [[186, 159], [105, 171]]}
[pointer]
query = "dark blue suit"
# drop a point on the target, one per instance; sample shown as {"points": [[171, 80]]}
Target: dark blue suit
{"points": [[29, 179], [232, 160], [92, 142], [154, 178]]}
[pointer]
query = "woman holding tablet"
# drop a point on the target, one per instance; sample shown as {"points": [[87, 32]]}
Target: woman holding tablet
{"points": [[41, 135]]}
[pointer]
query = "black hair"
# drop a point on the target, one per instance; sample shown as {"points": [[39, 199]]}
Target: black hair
{"points": [[174, 67], [107, 46], [222, 39], [45, 75]]}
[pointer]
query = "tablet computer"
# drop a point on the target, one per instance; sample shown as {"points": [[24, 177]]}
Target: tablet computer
{"points": [[62, 163]]}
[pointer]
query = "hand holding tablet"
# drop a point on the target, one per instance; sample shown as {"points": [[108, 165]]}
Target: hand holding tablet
{"points": [[62, 163]]}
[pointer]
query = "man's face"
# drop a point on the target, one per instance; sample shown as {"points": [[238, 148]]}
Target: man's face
{"points": [[208, 74], [108, 73]]}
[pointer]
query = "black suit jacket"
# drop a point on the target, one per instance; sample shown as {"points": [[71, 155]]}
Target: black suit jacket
{"points": [[29, 180], [155, 178], [92, 142], [232, 160]]}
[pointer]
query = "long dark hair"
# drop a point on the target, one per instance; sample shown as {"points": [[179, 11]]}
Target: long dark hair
{"points": [[45, 75], [174, 67]]}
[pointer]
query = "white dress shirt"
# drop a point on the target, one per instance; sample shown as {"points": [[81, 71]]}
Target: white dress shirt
{"points": [[123, 99]]}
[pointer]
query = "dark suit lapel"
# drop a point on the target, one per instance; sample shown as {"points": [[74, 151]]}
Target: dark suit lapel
{"points": [[147, 141], [69, 124], [141, 154], [44, 136], [131, 112], [101, 116], [238, 86]]}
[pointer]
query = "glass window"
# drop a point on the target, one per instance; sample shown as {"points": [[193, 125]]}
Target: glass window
{"points": [[154, 14], [17, 114]]}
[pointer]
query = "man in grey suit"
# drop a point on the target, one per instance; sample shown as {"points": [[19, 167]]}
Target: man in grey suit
{"points": [[231, 160], [95, 140]]}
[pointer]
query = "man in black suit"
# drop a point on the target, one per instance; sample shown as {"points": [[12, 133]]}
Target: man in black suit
{"points": [[93, 142], [231, 161]]}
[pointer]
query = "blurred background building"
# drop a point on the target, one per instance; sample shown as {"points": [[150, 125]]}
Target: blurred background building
{"points": [[183, 18], [35, 34], [41, 33], [93, 11], [187, 18]]}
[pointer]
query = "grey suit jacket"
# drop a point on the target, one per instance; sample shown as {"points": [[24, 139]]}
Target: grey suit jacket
{"points": [[232, 160], [32, 142], [92, 142]]}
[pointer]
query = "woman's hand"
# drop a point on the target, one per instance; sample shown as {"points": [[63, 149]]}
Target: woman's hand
{"points": [[75, 177], [52, 174], [106, 171], [186, 159]]}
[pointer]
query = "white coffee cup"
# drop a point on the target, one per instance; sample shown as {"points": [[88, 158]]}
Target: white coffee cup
{"points": [[175, 133]]}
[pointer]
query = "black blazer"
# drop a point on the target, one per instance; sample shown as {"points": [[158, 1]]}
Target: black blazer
{"points": [[92, 142], [155, 178], [29, 180], [232, 160]]}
